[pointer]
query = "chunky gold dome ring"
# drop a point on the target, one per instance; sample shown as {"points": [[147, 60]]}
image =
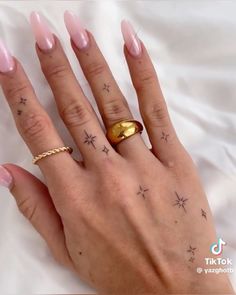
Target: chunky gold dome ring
{"points": [[122, 130]]}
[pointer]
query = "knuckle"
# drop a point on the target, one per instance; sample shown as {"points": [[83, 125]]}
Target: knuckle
{"points": [[75, 115], [28, 209], [94, 69], [35, 127], [57, 71], [155, 114], [115, 109], [145, 77], [16, 89]]}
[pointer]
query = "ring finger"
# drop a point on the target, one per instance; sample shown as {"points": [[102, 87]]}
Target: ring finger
{"points": [[110, 100]]}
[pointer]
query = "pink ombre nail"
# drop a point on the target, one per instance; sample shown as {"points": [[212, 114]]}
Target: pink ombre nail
{"points": [[76, 30], [6, 60], [132, 42], [42, 33], [6, 179]]}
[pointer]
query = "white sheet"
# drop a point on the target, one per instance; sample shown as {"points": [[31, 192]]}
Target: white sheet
{"points": [[193, 45]]}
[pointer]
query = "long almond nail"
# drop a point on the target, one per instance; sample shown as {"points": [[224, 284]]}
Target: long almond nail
{"points": [[132, 42], [76, 30], [42, 33], [6, 60], [6, 179]]}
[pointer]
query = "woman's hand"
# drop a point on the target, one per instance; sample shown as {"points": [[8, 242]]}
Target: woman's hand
{"points": [[127, 220]]}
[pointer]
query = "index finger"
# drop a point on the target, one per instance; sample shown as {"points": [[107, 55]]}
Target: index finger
{"points": [[32, 121]]}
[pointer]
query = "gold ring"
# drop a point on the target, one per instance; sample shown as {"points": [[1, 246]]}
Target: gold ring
{"points": [[123, 130], [52, 152]]}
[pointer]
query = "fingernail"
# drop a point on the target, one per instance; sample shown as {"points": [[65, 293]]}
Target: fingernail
{"points": [[76, 30], [6, 60], [42, 33], [5, 177], [132, 42]]}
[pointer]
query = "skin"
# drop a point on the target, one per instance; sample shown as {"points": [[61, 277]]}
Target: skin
{"points": [[128, 219]]}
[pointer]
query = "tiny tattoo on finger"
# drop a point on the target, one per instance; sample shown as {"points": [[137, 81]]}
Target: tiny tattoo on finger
{"points": [[19, 112], [23, 100], [106, 150], [165, 136], [106, 87], [204, 214], [142, 191], [191, 259], [191, 250], [180, 202], [89, 139]]}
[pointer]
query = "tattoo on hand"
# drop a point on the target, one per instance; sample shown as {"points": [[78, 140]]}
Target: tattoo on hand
{"points": [[106, 150], [165, 136], [106, 87], [191, 250], [142, 192], [19, 112], [180, 202], [23, 100], [191, 259], [89, 139], [204, 214]]}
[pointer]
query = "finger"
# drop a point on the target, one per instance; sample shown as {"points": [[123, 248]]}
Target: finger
{"points": [[34, 124], [73, 106], [165, 144], [34, 202], [110, 100]]}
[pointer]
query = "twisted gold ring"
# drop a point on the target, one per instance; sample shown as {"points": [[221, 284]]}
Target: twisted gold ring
{"points": [[123, 130], [52, 152]]}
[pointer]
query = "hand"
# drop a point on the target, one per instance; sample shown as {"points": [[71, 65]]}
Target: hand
{"points": [[127, 220]]}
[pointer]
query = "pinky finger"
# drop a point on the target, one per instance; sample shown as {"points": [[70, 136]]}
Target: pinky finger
{"points": [[34, 202]]}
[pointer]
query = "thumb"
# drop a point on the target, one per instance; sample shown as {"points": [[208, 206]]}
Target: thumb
{"points": [[35, 203]]}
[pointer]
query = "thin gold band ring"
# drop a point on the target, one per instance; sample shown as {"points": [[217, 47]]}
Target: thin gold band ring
{"points": [[51, 152]]}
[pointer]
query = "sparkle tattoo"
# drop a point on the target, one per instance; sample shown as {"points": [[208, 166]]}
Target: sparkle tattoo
{"points": [[23, 100], [180, 202], [106, 87], [191, 259], [142, 192], [164, 136], [204, 215], [105, 150], [191, 250], [89, 139]]}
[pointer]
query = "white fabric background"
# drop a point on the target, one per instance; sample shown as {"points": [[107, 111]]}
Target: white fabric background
{"points": [[193, 45]]}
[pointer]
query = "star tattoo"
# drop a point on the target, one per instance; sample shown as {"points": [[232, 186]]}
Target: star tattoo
{"points": [[192, 250], [106, 150], [89, 139], [142, 191], [164, 136], [204, 215], [23, 100], [191, 259], [180, 202], [106, 87]]}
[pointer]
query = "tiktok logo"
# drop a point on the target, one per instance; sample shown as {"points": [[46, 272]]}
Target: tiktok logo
{"points": [[217, 248]]}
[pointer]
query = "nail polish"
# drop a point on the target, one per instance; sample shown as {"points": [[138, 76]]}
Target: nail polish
{"points": [[76, 30], [6, 60], [5, 177], [132, 42], [42, 32]]}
